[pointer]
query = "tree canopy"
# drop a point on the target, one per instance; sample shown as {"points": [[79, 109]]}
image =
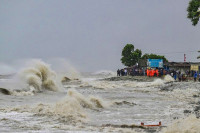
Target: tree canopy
{"points": [[154, 56], [130, 56], [194, 11]]}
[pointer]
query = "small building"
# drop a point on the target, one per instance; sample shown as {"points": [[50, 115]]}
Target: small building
{"points": [[182, 66]]}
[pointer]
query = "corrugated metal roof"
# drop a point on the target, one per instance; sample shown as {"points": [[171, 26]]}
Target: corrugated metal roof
{"points": [[181, 64]]}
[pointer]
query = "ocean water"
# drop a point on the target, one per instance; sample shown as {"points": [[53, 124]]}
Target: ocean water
{"points": [[35, 100]]}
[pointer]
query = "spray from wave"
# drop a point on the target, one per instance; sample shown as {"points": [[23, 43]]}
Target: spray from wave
{"points": [[104, 73], [40, 77], [64, 67], [36, 77]]}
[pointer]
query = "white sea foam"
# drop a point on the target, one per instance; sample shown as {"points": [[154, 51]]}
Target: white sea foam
{"points": [[131, 102], [168, 78], [103, 84], [157, 82], [187, 125], [71, 108]]}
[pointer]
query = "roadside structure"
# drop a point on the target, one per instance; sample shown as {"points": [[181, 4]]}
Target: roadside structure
{"points": [[182, 66]]}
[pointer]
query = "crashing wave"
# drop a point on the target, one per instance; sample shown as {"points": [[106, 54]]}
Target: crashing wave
{"points": [[40, 77], [69, 109]]}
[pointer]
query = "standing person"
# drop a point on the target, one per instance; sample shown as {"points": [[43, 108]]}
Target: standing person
{"points": [[161, 72], [143, 72], [118, 72], [125, 71], [174, 73], [180, 76], [195, 76], [175, 76], [157, 72], [147, 71], [122, 72], [150, 72], [199, 76]]}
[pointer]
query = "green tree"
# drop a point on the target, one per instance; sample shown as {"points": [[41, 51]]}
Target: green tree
{"points": [[193, 11], [154, 56], [130, 56]]}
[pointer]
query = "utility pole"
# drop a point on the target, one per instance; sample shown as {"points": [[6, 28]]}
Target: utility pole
{"points": [[184, 57], [184, 61]]}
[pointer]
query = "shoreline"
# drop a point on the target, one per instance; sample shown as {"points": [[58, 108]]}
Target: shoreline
{"points": [[143, 79], [133, 78]]}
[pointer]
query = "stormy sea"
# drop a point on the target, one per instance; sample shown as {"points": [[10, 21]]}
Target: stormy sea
{"points": [[40, 99]]}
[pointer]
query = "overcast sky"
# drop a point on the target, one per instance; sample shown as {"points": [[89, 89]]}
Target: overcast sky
{"points": [[92, 33]]}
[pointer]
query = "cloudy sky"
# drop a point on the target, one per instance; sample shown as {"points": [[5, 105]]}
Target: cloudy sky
{"points": [[91, 33]]}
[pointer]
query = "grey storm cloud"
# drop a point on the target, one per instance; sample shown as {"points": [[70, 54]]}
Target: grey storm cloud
{"points": [[92, 33]]}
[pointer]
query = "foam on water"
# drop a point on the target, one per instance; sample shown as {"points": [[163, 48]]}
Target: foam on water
{"points": [[168, 78], [129, 102], [182, 91], [69, 109], [157, 82], [102, 84], [186, 125]]}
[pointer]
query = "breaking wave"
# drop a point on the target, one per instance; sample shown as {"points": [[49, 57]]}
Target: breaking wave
{"points": [[39, 76], [36, 77], [187, 125], [91, 102], [69, 109]]}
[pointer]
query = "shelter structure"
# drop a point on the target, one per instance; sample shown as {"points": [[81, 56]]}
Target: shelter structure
{"points": [[182, 66]]}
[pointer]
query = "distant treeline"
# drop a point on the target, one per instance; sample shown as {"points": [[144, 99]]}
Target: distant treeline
{"points": [[131, 56]]}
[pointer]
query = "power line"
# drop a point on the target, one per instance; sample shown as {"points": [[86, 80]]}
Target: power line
{"points": [[183, 52]]}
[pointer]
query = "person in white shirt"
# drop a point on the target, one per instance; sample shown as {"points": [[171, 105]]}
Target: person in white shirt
{"points": [[125, 71]]}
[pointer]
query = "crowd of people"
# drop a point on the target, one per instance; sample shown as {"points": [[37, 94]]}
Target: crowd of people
{"points": [[158, 72], [141, 72], [181, 76]]}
